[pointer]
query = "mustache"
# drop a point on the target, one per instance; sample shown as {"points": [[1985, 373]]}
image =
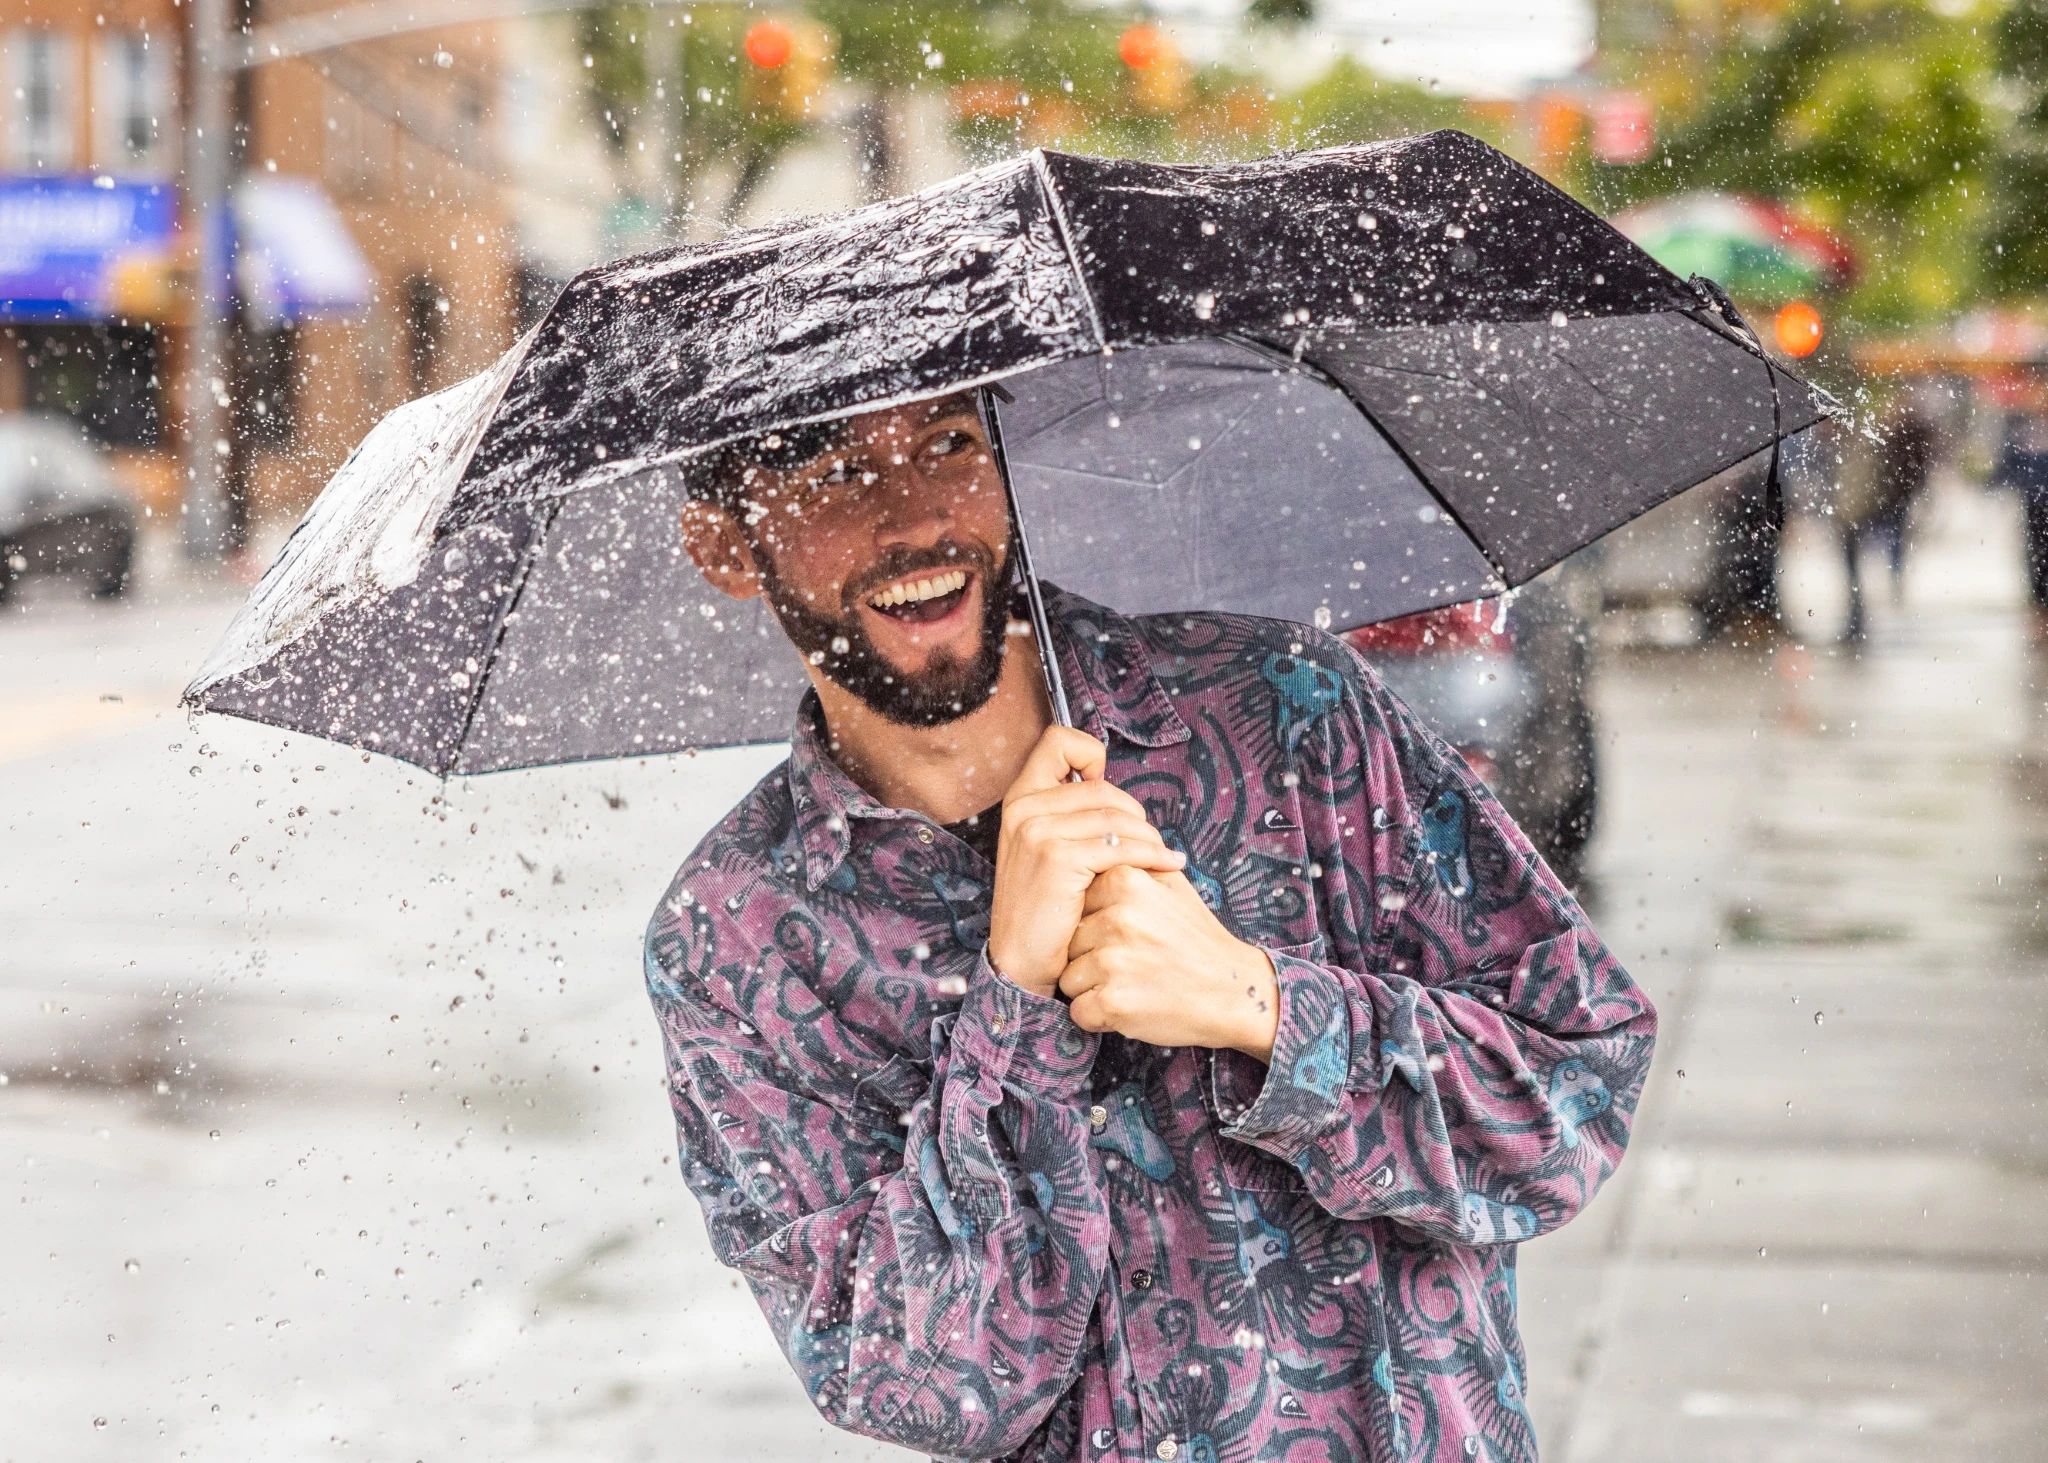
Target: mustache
{"points": [[902, 563]]}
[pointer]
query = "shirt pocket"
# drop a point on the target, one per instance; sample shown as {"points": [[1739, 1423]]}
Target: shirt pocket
{"points": [[883, 1098], [1253, 1170]]}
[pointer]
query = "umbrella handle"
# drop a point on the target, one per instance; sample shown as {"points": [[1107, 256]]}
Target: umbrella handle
{"points": [[1048, 657]]}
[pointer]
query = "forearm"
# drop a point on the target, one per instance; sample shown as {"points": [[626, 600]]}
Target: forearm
{"points": [[1447, 1111], [945, 1308]]}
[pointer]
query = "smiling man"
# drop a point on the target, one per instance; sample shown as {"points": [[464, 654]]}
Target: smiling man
{"points": [[1195, 1105]]}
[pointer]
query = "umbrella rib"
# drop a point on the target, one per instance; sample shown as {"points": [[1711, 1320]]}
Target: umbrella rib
{"points": [[496, 637], [1046, 185], [1329, 379]]}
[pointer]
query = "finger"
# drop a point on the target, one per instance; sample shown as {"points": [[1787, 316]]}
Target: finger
{"points": [[1061, 750], [1069, 797], [1098, 856], [1087, 1013], [1081, 976], [1120, 885], [1095, 825], [1092, 932]]}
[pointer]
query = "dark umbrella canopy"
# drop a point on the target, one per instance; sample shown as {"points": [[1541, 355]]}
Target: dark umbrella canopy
{"points": [[1339, 386]]}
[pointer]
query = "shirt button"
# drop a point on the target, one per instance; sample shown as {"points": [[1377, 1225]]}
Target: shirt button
{"points": [[925, 835], [1098, 1117], [1167, 1448], [1142, 1280]]}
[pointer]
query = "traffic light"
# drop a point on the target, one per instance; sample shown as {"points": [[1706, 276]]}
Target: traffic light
{"points": [[789, 63]]}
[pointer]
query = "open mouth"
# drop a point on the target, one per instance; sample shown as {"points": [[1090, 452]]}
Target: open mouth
{"points": [[921, 600]]}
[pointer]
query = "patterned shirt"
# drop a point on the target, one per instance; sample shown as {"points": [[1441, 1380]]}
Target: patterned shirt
{"points": [[980, 1231]]}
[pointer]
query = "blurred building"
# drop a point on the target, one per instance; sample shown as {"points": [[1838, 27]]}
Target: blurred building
{"points": [[374, 254]]}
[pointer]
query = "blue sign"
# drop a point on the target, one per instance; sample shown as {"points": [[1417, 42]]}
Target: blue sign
{"points": [[63, 238]]}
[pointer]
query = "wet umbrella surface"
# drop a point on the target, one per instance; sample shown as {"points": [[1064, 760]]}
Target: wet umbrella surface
{"points": [[1339, 386]]}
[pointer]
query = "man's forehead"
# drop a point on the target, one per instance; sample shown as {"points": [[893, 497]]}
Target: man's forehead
{"points": [[909, 416]]}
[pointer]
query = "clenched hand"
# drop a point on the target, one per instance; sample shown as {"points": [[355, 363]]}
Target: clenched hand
{"points": [[1149, 960]]}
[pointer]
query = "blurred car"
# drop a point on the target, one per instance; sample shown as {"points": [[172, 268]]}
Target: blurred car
{"points": [[62, 510], [1504, 681], [1675, 555]]}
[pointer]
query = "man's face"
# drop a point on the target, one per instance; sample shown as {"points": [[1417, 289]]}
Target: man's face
{"points": [[886, 559]]}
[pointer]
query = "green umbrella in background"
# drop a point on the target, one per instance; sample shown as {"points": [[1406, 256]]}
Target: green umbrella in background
{"points": [[1753, 247]]}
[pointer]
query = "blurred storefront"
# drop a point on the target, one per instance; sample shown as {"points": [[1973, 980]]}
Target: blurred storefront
{"points": [[351, 292]]}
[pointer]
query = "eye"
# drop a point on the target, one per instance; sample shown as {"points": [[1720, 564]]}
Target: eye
{"points": [[949, 443], [842, 470]]}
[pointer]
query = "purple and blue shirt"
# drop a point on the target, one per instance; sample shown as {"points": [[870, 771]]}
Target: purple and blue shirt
{"points": [[980, 1231]]}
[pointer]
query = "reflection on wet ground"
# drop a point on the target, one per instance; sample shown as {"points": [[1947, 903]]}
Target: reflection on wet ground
{"points": [[1825, 1243], [342, 1132]]}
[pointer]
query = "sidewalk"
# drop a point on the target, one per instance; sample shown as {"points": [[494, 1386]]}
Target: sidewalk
{"points": [[1828, 1240]]}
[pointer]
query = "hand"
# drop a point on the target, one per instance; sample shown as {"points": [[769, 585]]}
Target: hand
{"points": [[1056, 837], [1151, 961]]}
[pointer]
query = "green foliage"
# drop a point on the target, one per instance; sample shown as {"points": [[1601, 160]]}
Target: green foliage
{"points": [[2015, 250], [1869, 116], [1348, 103], [695, 58]]}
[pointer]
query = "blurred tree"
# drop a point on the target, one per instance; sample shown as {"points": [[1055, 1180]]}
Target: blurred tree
{"points": [[1869, 117], [663, 80], [2015, 245], [1348, 103]]}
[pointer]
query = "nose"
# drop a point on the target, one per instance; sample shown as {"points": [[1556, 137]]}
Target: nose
{"points": [[916, 511]]}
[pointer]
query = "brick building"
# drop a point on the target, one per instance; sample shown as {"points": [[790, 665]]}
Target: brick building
{"points": [[375, 249]]}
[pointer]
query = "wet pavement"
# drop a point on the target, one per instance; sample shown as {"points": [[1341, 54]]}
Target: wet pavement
{"points": [[334, 1122]]}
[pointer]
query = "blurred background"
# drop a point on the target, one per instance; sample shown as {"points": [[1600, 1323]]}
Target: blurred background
{"points": [[332, 1118]]}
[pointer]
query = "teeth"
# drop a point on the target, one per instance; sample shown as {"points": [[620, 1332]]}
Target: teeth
{"points": [[916, 590]]}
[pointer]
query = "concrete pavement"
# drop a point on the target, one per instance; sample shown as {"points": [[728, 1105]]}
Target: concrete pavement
{"points": [[334, 1123]]}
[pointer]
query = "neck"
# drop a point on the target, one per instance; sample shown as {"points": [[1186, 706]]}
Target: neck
{"points": [[944, 772]]}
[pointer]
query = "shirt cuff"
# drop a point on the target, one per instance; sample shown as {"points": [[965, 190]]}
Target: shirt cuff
{"points": [[1301, 1091], [1026, 1041]]}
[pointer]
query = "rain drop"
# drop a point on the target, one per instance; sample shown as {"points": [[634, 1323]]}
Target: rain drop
{"points": [[1322, 617], [1205, 305]]}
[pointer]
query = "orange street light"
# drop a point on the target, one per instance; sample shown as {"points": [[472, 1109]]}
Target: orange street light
{"points": [[769, 44], [1797, 328]]}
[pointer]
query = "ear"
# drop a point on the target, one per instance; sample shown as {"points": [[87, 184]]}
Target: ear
{"points": [[720, 551]]}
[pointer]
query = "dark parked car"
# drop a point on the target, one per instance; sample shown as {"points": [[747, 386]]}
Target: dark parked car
{"points": [[1505, 683], [62, 511]]}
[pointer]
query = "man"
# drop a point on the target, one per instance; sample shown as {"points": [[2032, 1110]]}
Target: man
{"points": [[1191, 1108]]}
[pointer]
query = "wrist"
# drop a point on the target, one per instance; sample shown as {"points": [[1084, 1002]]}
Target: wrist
{"points": [[1042, 989], [1255, 990]]}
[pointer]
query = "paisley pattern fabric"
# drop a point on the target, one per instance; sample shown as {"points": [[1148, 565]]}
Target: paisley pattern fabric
{"points": [[979, 1231]]}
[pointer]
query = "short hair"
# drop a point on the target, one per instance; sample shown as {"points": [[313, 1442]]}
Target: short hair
{"points": [[719, 475]]}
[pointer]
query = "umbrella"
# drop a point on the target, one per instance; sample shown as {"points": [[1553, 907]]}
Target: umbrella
{"points": [[1750, 246], [1339, 387]]}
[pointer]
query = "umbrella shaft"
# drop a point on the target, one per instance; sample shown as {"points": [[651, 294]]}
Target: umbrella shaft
{"points": [[1048, 657]]}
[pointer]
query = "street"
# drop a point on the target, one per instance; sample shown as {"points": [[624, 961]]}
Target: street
{"points": [[334, 1122]]}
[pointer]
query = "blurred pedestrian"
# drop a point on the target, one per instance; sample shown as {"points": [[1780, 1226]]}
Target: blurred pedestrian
{"points": [[1885, 467], [2023, 467]]}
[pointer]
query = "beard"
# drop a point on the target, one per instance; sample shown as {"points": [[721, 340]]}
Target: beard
{"points": [[948, 687]]}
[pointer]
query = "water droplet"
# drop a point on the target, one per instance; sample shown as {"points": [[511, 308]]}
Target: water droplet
{"points": [[1816, 1018], [1205, 305], [1322, 617], [132, 1266]]}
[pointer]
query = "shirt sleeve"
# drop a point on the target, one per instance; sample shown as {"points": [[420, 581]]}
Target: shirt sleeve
{"points": [[926, 1243], [1475, 1076]]}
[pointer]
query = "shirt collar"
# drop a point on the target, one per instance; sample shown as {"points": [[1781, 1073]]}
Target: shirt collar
{"points": [[1110, 689]]}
